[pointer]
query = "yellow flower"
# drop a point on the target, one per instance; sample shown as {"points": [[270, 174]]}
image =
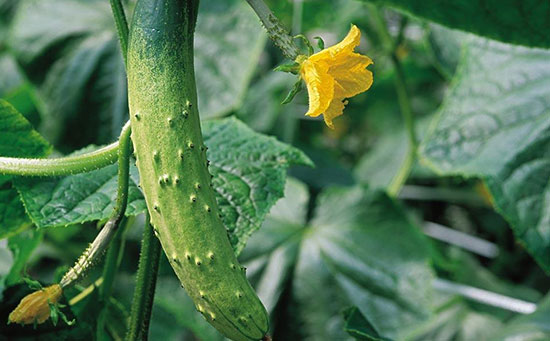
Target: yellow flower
{"points": [[35, 307], [334, 74]]}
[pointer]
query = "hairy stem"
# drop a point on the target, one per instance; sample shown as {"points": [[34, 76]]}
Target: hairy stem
{"points": [[276, 31], [60, 166], [390, 46], [121, 26], [146, 281], [290, 122], [110, 268], [100, 243]]}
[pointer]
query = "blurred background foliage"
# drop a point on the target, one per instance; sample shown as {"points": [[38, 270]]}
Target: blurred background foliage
{"points": [[336, 258]]}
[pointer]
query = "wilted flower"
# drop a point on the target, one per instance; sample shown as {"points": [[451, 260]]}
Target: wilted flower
{"points": [[35, 307]]}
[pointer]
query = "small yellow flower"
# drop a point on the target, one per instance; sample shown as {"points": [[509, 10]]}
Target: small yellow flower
{"points": [[35, 307], [334, 74]]}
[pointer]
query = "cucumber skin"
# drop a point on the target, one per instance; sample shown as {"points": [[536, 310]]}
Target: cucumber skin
{"points": [[174, 177]]}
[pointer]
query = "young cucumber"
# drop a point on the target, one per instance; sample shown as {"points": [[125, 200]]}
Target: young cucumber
{"points": [[171, 159]]}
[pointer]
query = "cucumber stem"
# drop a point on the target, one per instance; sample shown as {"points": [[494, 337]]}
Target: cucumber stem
{"points": [[110, 267], [146, 280], [276, 31], [60, 166], [121, 26], [100, 243]]}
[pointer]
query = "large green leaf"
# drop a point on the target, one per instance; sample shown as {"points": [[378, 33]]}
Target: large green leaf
{"points": [[21, 246], [18, 139], [77, 198], [379, 166], [228, 43], [520, 22], [69, 49], [445, 46], [495, 124], [359, 249], [249, 176]]}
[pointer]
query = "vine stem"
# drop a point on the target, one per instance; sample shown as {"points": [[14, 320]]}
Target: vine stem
{"points": [[121, 26], [112, 260], [144, 293], [100, 243], [290, 122], [60, 166], [276, 31], [390, 46]]}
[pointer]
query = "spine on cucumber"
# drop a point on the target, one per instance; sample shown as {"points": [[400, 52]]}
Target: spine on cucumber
{"points": [[174, 177]]}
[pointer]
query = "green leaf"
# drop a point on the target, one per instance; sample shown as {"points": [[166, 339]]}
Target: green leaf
{"points": [[445, 46], [262, 104], [378, 167], [359, 327], [68, 48], [455, 320], [21, 246], [534, 326], [18, 139], [293, 92], [77, 198], [518, 22], [12, 213], [228, 43], [6, 262], [359, 249], [249, 172], [495, 124], [248, 169]]}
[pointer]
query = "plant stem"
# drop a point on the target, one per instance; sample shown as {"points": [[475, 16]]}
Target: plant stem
{"points": [[146, 280], [124, 152], [121, 26], [100, 243], [110, 268], [276, 31], [87, 291], [290, 121], [390, 46], [60, 166], [112, 260]]}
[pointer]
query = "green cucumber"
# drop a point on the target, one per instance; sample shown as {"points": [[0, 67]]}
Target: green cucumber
{"points": [[171, 159]]}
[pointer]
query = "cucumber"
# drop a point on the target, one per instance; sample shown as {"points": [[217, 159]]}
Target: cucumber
{"points": [[173, 168]]}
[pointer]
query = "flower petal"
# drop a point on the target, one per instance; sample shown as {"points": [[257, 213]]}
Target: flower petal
{"points": [[35, 306], [335, 109], [320, 86], [350, 75], [346, 46]]}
